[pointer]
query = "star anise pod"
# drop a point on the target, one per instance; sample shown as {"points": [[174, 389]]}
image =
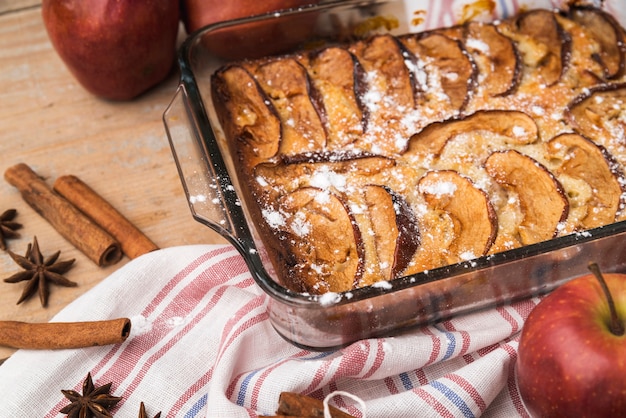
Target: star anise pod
{"points": [[94, 402], [39, 271], [142, 412], [8, 227]]}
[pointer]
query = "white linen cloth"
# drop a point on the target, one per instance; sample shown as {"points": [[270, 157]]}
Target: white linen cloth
{"points": [[201, 345]]}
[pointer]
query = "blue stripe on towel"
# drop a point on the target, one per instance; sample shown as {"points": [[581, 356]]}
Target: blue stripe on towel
{"points": [[241, 396], [454, 398], [197, 407], [406, 381], [451, 345]]}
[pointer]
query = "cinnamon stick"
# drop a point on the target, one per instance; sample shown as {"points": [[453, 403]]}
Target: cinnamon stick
{"points": [[59, 335], [133, 242], [83, 233], [292, 404]]}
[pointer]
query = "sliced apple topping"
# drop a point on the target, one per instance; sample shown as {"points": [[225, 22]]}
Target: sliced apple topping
{"points": [[287, 85], [582, 159], [391, 155], [475, 221], [598, 114], [451, 73], [518, 127], [326, 253], [497, 58], [541, 197], [333, 171], [245, 112], [339, 79], [395, 233], [437, 235], [544, 45], [391, 87], [603, 28]]}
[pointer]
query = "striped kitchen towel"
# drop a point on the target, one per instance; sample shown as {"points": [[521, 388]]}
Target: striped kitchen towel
{"points": [[201, 345]]}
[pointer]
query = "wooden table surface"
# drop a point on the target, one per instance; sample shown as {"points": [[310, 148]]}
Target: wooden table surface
{"points": [[120, 149]]}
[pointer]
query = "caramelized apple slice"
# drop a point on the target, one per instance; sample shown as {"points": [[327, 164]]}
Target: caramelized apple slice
{"points": [[339, 79], [448, 67], [391, 87], [597, 114], [518, 126], [438, 234], [585, 160], [286, 83], [608, 33], [245, 112], [326, 251], [390, 93], [496, 56], [475, 221], [395, 230], [541, 197], [334, 171], [544, 44]]}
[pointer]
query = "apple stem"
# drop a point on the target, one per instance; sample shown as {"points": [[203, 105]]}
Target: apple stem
{"points": [[616, 326]]}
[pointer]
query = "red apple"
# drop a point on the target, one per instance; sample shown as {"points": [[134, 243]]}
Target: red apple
{"points": [[572, 351], [251, 40], [116, 49]]}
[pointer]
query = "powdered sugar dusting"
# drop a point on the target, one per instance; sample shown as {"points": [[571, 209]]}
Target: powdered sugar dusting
{"points": [[329, 298], [325, 178], [439, 188], [273, 218]]}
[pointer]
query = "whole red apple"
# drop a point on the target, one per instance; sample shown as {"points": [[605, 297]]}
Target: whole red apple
{"points": [[116, 49], [251, 40], [572, 351]]}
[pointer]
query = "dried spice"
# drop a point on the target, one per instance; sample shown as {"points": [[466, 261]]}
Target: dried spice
{"points": [[8, 227], [39, 271], [142, 412], [132, 241], [70, 222], [291, 404], [61, 335], [94, 402]]}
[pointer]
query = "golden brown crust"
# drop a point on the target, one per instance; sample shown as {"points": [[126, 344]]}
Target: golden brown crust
{"points": [[364, 162]]}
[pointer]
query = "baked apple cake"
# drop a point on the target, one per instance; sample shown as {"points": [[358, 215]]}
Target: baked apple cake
{"points": [[391, 155]]}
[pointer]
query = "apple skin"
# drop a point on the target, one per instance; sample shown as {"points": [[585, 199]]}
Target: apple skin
{"points": [[569, 362], [252, 40], [115, 49]]}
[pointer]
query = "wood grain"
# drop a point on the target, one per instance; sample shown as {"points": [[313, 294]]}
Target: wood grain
{"points": [[8, 6], [120, 149]]}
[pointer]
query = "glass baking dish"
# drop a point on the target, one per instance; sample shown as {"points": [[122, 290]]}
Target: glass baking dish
{"points": [[209, 178]]}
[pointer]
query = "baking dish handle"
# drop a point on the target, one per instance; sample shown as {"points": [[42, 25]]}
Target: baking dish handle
{"points": [[202, 185]]}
